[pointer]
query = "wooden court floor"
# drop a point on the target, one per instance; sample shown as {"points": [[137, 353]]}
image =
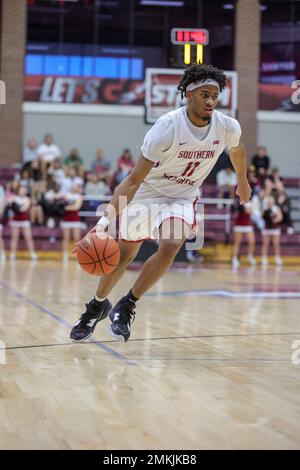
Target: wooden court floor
{"points": [[210, 364]]}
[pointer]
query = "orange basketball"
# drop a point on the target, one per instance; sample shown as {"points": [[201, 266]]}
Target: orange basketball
{"points": [[98, 254]]}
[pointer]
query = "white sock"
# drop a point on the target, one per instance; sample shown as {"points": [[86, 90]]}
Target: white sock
{"points": [[99, 299]]}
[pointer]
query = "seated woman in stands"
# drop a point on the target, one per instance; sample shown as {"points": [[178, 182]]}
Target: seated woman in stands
{"points": [[20, 223], [71, 224], [53, 203], [254, 181], [227, 183], [272, 232], [283, 201], [243, 226], [24, 179], [125, 165], [36, 209], [95, 187], [274, 183]]}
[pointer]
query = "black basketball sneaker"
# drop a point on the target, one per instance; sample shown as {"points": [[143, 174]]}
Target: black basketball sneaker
{"points": [[121, 316], [86, 324]]}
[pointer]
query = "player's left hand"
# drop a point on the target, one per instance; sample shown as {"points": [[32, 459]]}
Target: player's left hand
{"points": [[244, 192]]}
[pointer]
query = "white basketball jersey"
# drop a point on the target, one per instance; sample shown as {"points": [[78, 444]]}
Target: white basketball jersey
{"points": [[188, 161]]}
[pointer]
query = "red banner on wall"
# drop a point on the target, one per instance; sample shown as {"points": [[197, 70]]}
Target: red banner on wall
{"points": [[84, 90], [92, 90]]}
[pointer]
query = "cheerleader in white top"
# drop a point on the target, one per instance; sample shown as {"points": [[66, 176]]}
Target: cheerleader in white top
{"points": [[243, 228], [20, 223]]}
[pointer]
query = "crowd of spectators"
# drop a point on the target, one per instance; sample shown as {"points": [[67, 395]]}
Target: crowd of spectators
{"points": [[269, 210], [265, 182], [49, 190]]}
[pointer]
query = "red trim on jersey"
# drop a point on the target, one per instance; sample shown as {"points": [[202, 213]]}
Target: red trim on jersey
{"points": [[135, 241]]}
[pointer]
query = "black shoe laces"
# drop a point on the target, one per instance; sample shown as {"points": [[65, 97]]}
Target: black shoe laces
{"points": [[88, 314], [127, 313]]}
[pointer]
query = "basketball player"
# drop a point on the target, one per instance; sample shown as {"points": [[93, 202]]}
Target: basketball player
{"points": [[177, 155]]}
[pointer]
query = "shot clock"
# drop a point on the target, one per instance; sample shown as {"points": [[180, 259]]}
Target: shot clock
{"points": [[188, 37]]}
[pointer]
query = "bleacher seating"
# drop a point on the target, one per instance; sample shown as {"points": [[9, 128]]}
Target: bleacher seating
{"points": [[7, 174], [49, 239]]}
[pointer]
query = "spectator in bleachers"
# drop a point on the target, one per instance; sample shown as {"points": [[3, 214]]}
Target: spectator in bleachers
{"points": [[35, 169], [47, 153], [243, 226], [274, 183], [36, 208], [29, 153], [53, 203], [71, 178], [75, 161], [2, 207], [261, 161], [273, 217], [12, 188], [254, 181], [284, 203], [25, 179], [94, 187], [20, 223], [102, 167], [57, 171], [125, 165], [226, 183], [71, 219]]}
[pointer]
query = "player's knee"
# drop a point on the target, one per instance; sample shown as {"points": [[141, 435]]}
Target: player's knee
{"points": [[168, 250], [125, 259]]}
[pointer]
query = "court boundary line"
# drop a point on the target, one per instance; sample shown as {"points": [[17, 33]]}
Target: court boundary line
{"points": [[217, 360], [145, 359], [226, 294], [168, 338], [53, 315]]}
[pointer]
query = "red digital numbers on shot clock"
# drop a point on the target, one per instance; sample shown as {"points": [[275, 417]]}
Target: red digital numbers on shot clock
{"points": [[189, 36]]}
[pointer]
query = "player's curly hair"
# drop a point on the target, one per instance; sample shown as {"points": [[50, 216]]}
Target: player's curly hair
{"points": [[197, 72]]}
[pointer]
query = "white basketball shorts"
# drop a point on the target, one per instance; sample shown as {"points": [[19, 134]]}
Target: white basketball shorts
{"points": [[143, 216]]}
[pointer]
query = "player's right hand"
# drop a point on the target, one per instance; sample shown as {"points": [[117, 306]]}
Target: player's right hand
{"points": [[244, 192]]}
